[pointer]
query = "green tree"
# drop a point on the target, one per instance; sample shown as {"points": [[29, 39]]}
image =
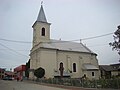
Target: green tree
{"points": [[116, 43], [27, 69], [39, 73]]}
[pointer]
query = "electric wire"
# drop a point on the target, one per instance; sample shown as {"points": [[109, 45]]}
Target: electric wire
{"points": [[97, 36], [13, 50], [14, 41], [53, 42], [60, 41], [103, 35], [98, 45]]}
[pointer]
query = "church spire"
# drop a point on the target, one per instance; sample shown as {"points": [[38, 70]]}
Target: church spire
{"points": [[41, 16]]}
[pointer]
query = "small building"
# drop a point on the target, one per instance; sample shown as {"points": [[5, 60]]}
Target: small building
{"points": [[105, 71], [6, 74], [108, 71], [20, 71], [2, 73], [116, 69]]}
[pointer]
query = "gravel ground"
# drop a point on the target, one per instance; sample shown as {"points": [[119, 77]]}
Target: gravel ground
{"points": [[70, 87]]}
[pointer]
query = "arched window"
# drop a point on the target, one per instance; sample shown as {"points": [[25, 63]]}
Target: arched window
{"points": [[74, 67], [43, 31], [61, 64], [93, 74]]}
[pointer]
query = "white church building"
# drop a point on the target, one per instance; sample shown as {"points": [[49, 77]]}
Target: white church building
{"points": [[76, 58]]}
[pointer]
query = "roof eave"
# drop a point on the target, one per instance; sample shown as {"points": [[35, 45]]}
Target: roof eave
{"points": [[40, 22], [69, 50]]}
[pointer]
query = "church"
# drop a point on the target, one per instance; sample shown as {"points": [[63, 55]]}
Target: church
{"points": [[75, 58]]}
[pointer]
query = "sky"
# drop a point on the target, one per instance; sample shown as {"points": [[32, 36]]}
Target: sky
{"points": [[70, 20]]}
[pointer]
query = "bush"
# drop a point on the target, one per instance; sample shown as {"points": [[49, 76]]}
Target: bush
{"points": [[39, 73]]}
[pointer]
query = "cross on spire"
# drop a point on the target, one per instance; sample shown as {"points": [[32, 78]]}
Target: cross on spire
{"points": [[41, 15], [41, 2]]}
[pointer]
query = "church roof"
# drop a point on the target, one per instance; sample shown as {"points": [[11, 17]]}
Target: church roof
{"points": [[88, 66], [41, 16], [66, 46], [106, 67]]}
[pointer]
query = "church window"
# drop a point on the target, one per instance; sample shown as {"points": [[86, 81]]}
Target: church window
{"points": [[43, 31], [61, 64], [93, 74], [74, 67]]}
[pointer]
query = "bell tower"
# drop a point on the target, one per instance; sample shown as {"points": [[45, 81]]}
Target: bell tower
{"points": [[41, 28]]}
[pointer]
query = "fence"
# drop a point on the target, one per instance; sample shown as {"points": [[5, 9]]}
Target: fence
{"points": [[101, 83]]}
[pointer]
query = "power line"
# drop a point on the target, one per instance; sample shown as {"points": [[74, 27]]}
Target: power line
{"points": [[52, 42], [13, 50], [16, 49], [14, 41], [103, 35], [99, 45], [60, 41], [97, 36]]}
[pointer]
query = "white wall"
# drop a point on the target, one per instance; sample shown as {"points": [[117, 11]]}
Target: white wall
{"points": [[50, 59]]}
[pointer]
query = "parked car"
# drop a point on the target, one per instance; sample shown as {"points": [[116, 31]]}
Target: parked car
{"points": [[7, 78]]}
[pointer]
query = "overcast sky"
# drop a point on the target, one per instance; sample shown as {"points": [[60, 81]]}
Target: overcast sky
{"points": [[71, 20]]}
